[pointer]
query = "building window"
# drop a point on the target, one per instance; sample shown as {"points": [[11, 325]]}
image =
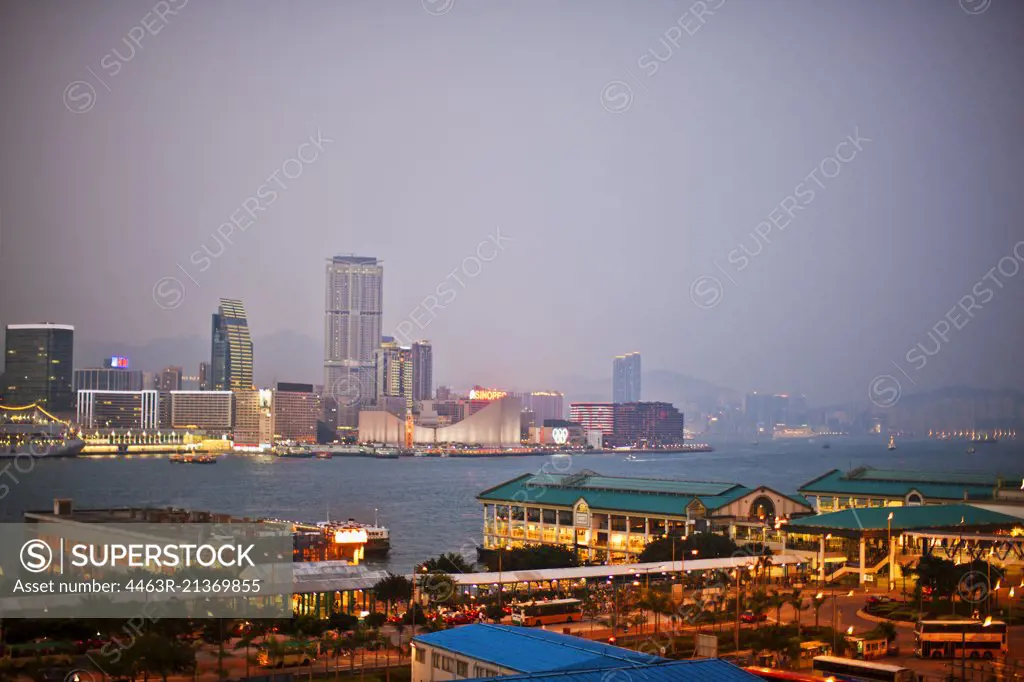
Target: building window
{"points": [[447, 664], [435, 660], [462, 669], [421, 655]]}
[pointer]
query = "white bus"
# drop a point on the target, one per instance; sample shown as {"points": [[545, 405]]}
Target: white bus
{"points": [[959, 638], [851, 670], [548, 612]]}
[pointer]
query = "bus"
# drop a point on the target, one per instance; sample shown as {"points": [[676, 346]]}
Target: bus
{"points": [[776, 675], [45, 651], [852, 670], [547, 612], [959, 638], [288, 653]]}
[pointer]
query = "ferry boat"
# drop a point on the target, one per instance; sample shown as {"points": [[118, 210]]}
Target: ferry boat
{"points": [[324, 454], [378, 538], [192, 458], [293, 452], [892, 442]]}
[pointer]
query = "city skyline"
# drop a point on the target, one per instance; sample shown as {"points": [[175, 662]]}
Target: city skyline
{"points": [[881, 254]]}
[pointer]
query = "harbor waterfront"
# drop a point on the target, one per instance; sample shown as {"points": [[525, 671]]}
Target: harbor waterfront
{"points": [[429, 504]]}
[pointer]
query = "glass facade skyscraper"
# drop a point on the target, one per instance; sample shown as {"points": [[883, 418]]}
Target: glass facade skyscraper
{"points": [[626, 378], [422, 370], [231, 351], [39, 359]]}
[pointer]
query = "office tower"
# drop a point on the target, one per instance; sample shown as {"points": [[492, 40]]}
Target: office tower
{"points": [[204, 376], [118, 409], [169, 379], [545, 405], [253, 419], [599, 417], [209, 410], [393, 369], [39, 360], [647, 424], [231, 354], [422, 370], [295, 412], [354, 299], [626, 378]]}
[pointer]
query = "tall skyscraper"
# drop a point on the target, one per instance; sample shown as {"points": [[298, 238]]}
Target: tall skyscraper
{"points": [[422, 370], [169, 379], [231, 352], [394, 372], [626, 378], [39, 359], [354, 300]]}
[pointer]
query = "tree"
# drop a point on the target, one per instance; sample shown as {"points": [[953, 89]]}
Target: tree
{"points": [[816, 603], [708, 546], [440, 588], [449, 562], [532, 558], [393, 589], [758, 603], [777, 601], [796, 600]]}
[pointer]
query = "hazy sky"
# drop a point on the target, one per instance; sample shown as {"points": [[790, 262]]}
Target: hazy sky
{"points": [[626, 151]]}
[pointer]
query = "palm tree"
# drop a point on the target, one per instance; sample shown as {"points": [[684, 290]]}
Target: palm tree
{"points": [[449, 562], [777, 601], [816, 603], [796, 600], [758, 602]]}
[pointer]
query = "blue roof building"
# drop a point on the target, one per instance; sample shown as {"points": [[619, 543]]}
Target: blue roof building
{"points": [[698, 670], [473, 651]]}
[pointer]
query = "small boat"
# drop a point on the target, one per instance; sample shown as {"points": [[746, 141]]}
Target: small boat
{"points": [[324, 454], [971, 451], [892, 443], [631, 457], [826, 446]]}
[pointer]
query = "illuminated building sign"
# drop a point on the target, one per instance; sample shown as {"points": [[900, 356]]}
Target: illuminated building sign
{"points": [[486, 394], [560, 435], [117, 362], [350, 536]]}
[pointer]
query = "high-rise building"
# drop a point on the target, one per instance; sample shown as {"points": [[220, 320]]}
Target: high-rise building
{"points": [[169, 379], [647, 424], [209, 410], [393, 369], [295, 411], [545, 405], [253, 419], [231, 352], [118, 409], [204, 376], [422, 370], [599, 417], [354, 300], [626, 378], [39, 359]]}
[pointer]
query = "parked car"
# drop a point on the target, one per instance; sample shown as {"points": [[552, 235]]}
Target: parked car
{"points": [[751, 617], [878, 599]]}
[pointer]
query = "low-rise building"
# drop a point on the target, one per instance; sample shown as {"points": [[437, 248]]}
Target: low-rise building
{"points": [[612, 519], [867, 487], [476, 651]]}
